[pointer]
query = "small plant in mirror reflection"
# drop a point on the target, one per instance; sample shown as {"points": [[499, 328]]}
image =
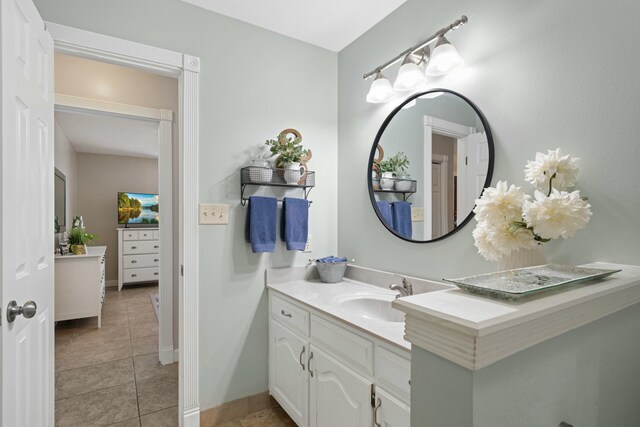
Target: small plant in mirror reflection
{"points": [[509, 220], [399, 163]]}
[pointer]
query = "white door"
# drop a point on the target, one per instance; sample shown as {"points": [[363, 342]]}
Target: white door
{"points": [[338, 396], [436, 198], [27, 216], [390, 412], [288, 377], [473, 162]]}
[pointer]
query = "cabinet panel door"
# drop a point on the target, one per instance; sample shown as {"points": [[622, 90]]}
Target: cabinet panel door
{"points": [[390, 411], [288, 377], [339, 397]]}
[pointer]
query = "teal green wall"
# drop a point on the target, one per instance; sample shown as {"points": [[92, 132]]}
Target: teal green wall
{"points": [[546, 74], [254, 83]]}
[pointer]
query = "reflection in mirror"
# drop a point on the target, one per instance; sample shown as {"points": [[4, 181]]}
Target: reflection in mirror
{"points": [[60, 191], [437, 159]]}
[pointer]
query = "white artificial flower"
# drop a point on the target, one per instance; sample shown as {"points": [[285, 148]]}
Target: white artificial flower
{"points": [[539, 171], [510, 239], [485, 247], [500, 204], [559, 214]]}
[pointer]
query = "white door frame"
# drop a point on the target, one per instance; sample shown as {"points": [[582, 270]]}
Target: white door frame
{"points": [[186, 68], [441, 127], [163, 118], [443, 161]]}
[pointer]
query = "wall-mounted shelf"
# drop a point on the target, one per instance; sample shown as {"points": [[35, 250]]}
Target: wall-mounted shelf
{"points": [[269, 177], [406, 187]]}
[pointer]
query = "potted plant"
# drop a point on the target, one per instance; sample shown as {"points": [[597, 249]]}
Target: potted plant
{"points": [[288, 148], [403, 179], [78, 239], [391, 168]]}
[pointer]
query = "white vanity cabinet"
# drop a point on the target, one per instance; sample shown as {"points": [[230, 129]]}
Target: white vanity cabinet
{"points": [[324, 373]]}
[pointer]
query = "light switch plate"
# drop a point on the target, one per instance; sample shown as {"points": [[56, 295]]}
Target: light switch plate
{"points": [[213, 214], [417, 214]]}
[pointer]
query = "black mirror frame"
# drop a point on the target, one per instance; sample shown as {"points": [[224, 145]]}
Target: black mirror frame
{"points": [[376, 141]]}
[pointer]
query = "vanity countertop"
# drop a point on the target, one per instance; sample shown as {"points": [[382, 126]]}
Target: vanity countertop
{"points": [[475, 331], [327, 298], [92, 251]]}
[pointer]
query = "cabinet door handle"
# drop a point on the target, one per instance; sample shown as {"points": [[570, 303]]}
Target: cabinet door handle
{"points": [[285, 314], [156, 260], [156, 273], [134, 275], [133, 261], [134, 247], [309, 364], [375, 413], [300, 358], [156, 247]]}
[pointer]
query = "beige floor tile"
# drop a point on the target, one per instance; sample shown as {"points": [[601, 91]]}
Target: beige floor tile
{"points": [[95, 377], [156, 393], [230, 411], [165, 418], [134, 422], [145, 345], [272, 417], [99, 408], [101, 353], [144, 329], [148, 366]]}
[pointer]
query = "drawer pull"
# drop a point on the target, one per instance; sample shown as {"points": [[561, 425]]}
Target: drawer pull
{"points": [[134, 247], [156, 260], [156, 273], [133, 261], [156, 247], [285, 314], [134, 275], [309, 364], [375, 413], [300, 358]]}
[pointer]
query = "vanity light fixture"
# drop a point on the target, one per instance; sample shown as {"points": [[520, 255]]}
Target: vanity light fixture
{"points": [[443, 59], [410, 76], [381, 90]]}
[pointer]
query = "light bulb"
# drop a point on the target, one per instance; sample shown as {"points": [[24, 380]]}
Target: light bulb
{"points": [[444, 58], [409, 76], [381, 90]]}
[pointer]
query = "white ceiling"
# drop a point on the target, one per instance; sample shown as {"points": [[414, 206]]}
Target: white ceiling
{"points": [[331, 24], [100, 134]]}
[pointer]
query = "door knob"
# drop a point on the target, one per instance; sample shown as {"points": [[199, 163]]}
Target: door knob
{"points": [[28, 310]]}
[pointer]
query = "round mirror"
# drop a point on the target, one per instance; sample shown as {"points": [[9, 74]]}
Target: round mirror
{"points": [[430, 161]]}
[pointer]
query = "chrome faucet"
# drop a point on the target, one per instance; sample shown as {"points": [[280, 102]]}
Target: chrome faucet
{"points": [[405, 290]]}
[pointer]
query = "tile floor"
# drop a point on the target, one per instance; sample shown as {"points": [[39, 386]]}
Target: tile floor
{"points": [[111, 376]]}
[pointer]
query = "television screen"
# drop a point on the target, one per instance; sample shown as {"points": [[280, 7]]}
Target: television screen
{"points": [[137, 208]]}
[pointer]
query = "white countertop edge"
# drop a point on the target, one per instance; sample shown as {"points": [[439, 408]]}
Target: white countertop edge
{"points": [[92, 251], [475, 345], [398, 343]]}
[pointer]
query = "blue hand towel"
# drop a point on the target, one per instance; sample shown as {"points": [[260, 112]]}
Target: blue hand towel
{"points": [[385, 210], [261, 223], [332, 259], [402, 218], [295, 223]]}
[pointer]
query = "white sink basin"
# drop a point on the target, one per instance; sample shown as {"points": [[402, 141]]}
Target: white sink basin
{"points": [[373, 308]]}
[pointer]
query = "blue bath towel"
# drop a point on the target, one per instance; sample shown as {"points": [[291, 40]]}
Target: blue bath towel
{"points": [[402, 218], [385, 210], [332, 259], [261, 223], [295, 223]]}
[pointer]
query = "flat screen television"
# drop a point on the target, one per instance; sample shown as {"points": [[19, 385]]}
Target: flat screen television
{"points": [[138, 208]]}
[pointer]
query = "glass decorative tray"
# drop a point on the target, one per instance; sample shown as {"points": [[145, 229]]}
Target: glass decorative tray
{"points": [[521, 282]]}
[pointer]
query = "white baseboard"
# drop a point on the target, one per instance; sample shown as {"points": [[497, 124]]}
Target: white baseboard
{"points": [[191, 417], [176, 354], [166, 355], [111, 283]]}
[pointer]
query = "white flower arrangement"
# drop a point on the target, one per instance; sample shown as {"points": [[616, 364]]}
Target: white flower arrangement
{"points": [[509, 220]]}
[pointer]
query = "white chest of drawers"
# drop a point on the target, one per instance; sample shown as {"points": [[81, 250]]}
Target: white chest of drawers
{"points": [[138, 255], [80, 285]]}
